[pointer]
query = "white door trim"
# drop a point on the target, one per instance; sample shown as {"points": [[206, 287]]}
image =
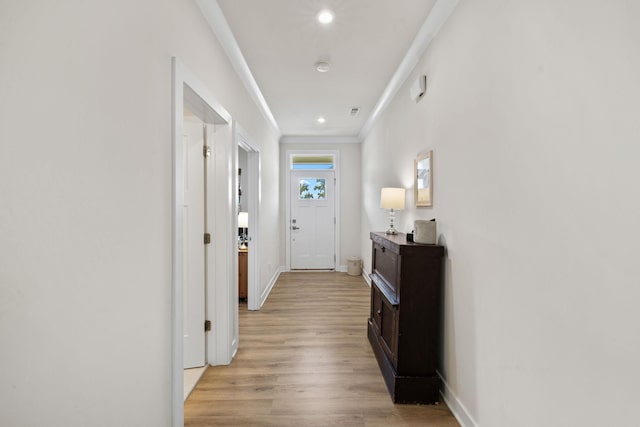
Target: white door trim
{"points": [[187, 89], [287, 189]]}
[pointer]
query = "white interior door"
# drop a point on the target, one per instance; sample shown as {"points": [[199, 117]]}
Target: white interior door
{"points": [[312, 220], [194, 249]]}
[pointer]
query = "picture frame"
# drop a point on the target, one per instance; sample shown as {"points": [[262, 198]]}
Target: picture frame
{"points": [[423, 179]]}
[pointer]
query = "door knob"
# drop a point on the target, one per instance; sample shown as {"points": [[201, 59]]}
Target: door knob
{"points": [[295, 228]]}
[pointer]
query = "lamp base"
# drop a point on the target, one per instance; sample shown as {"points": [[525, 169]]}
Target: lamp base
{"points": [[242, 240], [391, 230]]}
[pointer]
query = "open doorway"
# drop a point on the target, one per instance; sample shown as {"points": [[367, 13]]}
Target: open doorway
{"points": [[218, 300], [248, 210], [244, 241]]}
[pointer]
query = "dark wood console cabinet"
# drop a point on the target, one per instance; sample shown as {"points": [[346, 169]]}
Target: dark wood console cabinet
{"points": [[243, 254], [404, 322]]}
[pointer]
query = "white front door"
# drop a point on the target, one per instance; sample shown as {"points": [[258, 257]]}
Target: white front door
{"points": [[312, 220], [194, 249]]}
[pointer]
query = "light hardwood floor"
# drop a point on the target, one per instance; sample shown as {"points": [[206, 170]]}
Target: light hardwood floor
{"points": [[304, 360]]}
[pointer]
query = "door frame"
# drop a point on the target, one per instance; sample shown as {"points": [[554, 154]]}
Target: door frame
{"points": [[189, 90], [287, 219], [253, 208]]}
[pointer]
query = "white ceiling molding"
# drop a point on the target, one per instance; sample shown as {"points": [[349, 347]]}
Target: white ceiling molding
{"points": [[436, 19], [218, 23], [306, 139]]}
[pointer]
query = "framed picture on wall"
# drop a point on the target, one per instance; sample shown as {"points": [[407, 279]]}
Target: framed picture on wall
{"points": [[423, 179]]}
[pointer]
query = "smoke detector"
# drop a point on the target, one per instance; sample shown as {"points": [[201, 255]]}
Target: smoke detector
{"points": [[322, 66]]}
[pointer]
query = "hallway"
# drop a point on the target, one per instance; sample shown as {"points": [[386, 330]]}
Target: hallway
{"points": [[304, 360]]}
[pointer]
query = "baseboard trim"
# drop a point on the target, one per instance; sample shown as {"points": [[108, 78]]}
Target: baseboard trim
{"points": [[455, 405], [343, 269], [270, 285], [366, 277]]}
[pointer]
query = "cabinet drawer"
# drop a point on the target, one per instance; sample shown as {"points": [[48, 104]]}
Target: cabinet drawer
{"points": [[385, 265]]}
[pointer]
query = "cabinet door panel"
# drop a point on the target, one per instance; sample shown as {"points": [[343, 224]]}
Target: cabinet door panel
{"points": [[388, 330]]}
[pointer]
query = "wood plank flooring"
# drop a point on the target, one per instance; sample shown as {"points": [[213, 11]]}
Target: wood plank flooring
{"points": [[304, 360]]}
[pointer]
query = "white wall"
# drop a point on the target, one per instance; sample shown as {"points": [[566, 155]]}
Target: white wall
{"points": [[85, 202], [350, 193], [271, 253], [532, 112]]}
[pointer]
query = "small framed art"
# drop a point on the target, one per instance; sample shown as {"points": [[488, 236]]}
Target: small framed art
{"points": [[423, 179]]}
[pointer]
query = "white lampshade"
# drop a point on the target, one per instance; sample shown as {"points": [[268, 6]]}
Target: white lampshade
{"points": [[243, 219], [392, 198]]}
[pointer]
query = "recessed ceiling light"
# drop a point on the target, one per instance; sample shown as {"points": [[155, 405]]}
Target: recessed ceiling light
{"points": [[322, 66], [325, 16], [321, 120]]}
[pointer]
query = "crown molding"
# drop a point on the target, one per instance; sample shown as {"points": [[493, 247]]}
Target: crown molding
{"points": [[218, 23], [436, 19]]}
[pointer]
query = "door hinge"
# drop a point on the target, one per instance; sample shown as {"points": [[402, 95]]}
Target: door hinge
{"points": [[207, 325], [206, 151], [207, 238]]}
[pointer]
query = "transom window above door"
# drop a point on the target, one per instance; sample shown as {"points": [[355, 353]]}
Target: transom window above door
{"points": [[312, 162]]}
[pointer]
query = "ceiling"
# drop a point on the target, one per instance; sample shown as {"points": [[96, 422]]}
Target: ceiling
{"points": [[367, 46]]}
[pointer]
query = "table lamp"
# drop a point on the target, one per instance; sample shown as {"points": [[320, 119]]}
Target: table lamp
{"points": [[243, 222], [392, 199]]}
